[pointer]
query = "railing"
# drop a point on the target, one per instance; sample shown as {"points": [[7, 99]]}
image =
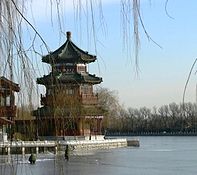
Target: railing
{"points": [[29, 144], [86, 99]]}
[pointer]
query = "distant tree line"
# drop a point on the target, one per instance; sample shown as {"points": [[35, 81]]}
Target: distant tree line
{"points": [[171, 118], [167, 119]]}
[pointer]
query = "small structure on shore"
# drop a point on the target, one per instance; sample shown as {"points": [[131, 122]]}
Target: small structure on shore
{"points": [[7, 107], [70, 107]]}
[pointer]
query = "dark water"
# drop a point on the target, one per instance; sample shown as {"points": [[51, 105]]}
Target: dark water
{"points": [[155, 156]]}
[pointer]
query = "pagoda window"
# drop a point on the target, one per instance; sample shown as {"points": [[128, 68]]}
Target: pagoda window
{"points": [[81, 68], [49, 91], [63, 68], [69, 91], [86, 89], [2, 101], [69, 69], [12, 99], [8, 101]]}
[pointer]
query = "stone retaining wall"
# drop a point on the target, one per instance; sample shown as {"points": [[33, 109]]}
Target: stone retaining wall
{"points": [[75, 145], [94, 144]]}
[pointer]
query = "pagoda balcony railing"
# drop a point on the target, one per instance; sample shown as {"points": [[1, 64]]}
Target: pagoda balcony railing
{"points": [[86, 99], [89, 99], [7, 111]]}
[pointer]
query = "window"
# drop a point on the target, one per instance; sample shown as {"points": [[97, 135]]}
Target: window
{"points": [[69, 69], [69, 91], [81, 68], [86, 89], [49, 92], [2, 101], [8, 101]]}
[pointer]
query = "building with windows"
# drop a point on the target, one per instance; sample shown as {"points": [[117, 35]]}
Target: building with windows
{"points": [[7, 106], [69, 107]]}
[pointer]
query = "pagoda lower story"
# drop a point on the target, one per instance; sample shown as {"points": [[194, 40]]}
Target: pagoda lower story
{"points": [[85, 126]]}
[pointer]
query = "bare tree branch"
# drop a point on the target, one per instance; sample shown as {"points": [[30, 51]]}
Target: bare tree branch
{"points": [[188, 78]]}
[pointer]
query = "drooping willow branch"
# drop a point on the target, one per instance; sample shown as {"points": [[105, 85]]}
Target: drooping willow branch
{"points": [[34, 29], [166, 4], [131, 10], [188, 78], [144, 28]]}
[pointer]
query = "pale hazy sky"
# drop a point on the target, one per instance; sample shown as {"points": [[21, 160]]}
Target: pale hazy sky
{"points": [[163, 72]]}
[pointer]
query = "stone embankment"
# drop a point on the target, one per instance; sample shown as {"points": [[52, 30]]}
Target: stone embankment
{"points": [[78, 145]]}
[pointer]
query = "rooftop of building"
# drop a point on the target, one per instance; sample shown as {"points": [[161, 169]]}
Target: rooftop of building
{"points": [[6, 84], [68, 53]]}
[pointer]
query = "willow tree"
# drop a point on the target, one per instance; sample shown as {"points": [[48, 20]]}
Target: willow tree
{"points": [[19, 59]]}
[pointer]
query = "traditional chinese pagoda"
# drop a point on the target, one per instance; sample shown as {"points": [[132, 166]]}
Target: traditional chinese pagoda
{"points": [[70, 107], [7, 106]]}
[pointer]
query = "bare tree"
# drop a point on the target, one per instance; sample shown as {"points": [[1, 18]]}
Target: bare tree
{"points": [[109, 103]]}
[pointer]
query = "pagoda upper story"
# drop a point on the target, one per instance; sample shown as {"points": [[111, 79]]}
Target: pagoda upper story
{"points": [[69, 64]]}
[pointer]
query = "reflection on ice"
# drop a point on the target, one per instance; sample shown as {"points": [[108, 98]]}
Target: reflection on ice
{"points": [[162, 150]]}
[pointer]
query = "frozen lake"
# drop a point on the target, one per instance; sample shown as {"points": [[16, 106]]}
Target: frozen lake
{"points": [[155, 156]]}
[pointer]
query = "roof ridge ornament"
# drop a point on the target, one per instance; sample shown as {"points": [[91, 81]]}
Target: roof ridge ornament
{"points": [[68, 35]]}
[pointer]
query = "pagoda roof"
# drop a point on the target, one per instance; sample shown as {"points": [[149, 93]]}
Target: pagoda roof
{"points": [[62, 78], [68, 53], [6, 84]]}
